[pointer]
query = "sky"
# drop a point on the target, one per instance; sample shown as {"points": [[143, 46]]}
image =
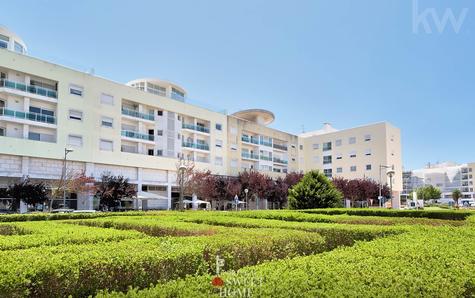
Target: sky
{"points": [[345, 62]]}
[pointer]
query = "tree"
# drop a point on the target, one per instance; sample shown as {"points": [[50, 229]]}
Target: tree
{"points": [[456, 195], [428, 192], [183, 178], [30, 193], [112, 189], [360, 190], [256, 184], [315, 190], [72, 182]]}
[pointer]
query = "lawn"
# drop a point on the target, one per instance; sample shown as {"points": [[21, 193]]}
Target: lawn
{"points": [[311, 253]]}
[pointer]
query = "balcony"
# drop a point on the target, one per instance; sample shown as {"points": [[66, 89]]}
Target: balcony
{"points": [[268, 158], [266, 143], [195, 127], [196, 146], [29, 88], [137, 114], [252, 140], [137, 135], [280, 147], [281, 161], [28, 116], [249, 155]]}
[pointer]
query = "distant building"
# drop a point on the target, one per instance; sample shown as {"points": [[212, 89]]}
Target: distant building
{"points": [[446, 176]]}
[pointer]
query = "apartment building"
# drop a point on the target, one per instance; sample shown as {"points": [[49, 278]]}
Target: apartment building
{"points": [[368, 151], [140, 129], [447, 176]]}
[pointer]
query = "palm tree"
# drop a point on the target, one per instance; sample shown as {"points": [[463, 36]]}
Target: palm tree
{"points": [[456, 195]]}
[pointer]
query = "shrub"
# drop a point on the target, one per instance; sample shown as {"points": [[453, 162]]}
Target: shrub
{"points": [[315, 190]]}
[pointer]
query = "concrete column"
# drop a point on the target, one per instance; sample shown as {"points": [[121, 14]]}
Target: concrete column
{"points": [[26, 130], [25, 164], [169, 190], [26, 104]]}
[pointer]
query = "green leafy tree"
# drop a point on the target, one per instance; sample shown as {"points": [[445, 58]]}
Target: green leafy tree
{"points": [[315, 190], [428, 192], [456, 195]]}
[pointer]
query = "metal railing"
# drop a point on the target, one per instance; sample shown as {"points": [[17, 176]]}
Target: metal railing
{"points": [[280, 147], [28, 116], [196, 145], [248, 139], [29, 88], [137, 114], [137, 135], [195, 127], [249, 155]]}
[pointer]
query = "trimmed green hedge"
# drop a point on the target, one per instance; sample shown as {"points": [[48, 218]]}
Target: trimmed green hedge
{"points": [[435, 214], [426, 262], [81, 270]]}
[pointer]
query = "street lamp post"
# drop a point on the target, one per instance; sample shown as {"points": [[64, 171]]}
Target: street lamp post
{"points": [[391, 173], [181, 169], [247, 202], [380, 183], [63, 178]]}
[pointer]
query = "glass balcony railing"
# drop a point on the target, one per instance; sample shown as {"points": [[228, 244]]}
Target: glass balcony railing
{"points": [[268, 158], [248, 139], [28, 116], [137, 135], [249, 155], [196, 145], [279, 160], [266, 143], [280, 147], [195, 127], [29, 88], [137, 114]]}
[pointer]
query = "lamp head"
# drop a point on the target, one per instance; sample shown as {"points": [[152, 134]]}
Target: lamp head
{"points": [[246, 190]]}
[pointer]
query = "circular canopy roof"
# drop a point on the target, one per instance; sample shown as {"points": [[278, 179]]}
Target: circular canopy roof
{"points": [[259, 116]]}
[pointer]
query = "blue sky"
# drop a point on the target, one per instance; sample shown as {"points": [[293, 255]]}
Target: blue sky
{"points": [[340, 61]]}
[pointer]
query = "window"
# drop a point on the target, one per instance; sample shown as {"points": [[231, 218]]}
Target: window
{"points": [[178, 136], [159, 113], [75, 141], [352, 140], [353, 169], [159, 152], [327, 159], [339, 156], [155, 89], [368, 167], [107, 99], [338, 142], [328, 172], [159, 132], [34, 136], [327, 146], [4, 41], [367, 138], [76, 90], [218, 160], [41, 111], [367, 152], [19, 48], [315, 146], [292, 145], [150, 152], [219, 143], [107, 122], [301, 147], [352, 154], [219, 126], [106, 145], [339, 170], [75, 115], [2, 131]]}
